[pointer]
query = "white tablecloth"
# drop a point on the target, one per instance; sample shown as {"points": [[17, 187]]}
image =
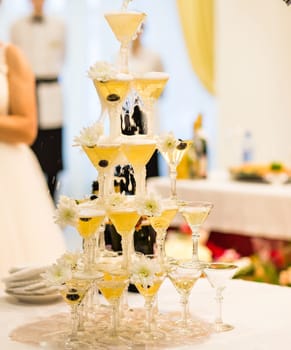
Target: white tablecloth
{"points": [[260, 313], [255, 209]]}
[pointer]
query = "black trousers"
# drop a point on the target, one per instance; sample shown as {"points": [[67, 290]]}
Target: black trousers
{"points": [[48, 149]]}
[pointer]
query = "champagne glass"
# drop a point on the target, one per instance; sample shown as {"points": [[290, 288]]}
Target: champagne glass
{"points": [[112, 93], [218, 274], [147, 274], [73, 292], [160, 224], [90, 219], [124, 25], [138, 151], [173, 151], [112, 287], [124, 217], [103, 156], [149, 87], [195, 213], [184, 275]]}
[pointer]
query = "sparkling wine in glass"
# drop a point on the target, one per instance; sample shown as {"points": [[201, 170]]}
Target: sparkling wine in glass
{"points": [[149, 87], [73, 293], [173, 151], [147, 274], [124, 24], [184, 275], [112, 287], [90, 219], [195, 214], [218, 275], [103, 157], [124, 217], [138, 151], [160, 224], [112, 93]]}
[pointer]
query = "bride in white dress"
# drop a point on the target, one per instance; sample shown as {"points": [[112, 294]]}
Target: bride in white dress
{"points": [[28, 234]]}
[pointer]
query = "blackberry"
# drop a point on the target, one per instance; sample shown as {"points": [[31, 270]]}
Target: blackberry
{"points": [[113, 98], [182, 145], [103, 163], [93, 196], [73, 297]]}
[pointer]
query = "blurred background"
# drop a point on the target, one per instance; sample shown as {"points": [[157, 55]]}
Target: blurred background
{"points": [[89, 39], [249, 90]]}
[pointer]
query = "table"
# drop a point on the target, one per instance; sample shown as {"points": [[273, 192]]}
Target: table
{"points": [[260, 313], [253, 209]]}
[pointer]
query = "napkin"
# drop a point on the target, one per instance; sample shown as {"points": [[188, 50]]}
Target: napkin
{"points": [[24, 274], [28, 281]]}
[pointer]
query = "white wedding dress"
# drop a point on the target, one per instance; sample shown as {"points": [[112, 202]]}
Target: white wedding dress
{"points": [[28, 234]]}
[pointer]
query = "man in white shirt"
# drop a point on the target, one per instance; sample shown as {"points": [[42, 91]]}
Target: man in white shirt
{"points": [[42, 39]]}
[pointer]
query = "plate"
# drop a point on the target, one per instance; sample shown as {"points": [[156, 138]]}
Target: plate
{"points": [[35, 299], [258, 172]]}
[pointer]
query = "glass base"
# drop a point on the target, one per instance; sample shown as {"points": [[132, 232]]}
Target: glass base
{"points": [[62, 340], [193, 327], [149, 337], [120, 340], [222, 327]]}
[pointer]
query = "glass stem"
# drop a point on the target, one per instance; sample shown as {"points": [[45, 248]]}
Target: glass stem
{"points": [[184, 304], [195, 244], [108, 181], [149, 109], [101, 238], [125, 243], [81, 311], [123, 53], [160, 240], [173, 178], [114, 117], [102, 113], [123, 304], [89, 245], [140, 179], [114, 317], [218, 298], [75, 323], [148, 309], [101, 177]]}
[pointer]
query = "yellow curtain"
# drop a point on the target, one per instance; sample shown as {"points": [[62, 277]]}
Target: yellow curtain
{"points": [[197, 20]]}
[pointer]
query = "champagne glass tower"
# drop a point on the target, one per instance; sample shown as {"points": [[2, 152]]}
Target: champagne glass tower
{"points": [[105, 151]]}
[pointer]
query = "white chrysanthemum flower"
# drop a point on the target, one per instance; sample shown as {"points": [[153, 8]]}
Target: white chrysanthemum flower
{"points": [[69, 259], [57, 274], [89, 136], [116, 200], [167, 143], [102, 71], [66, 212], [149, 205], [144, 270]]}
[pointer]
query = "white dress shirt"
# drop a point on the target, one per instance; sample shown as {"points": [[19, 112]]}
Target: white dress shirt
{"points": [[43, 43]]}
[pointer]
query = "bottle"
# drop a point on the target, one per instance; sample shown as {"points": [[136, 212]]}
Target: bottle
{"points": [[200, 145], [247, 147]]}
